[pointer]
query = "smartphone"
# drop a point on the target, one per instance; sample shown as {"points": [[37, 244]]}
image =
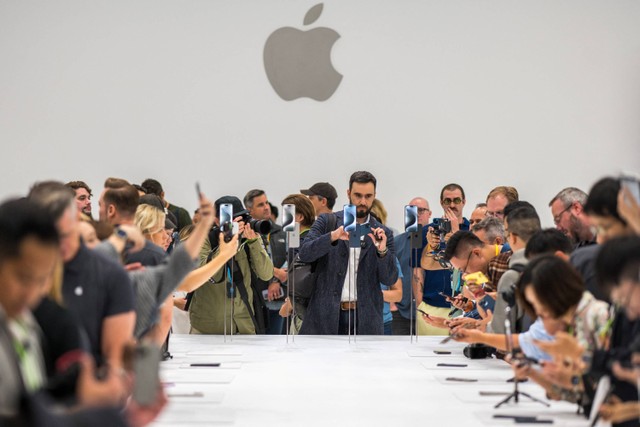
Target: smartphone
{"points": [[508, 335], [445, 296], [464, 380], [349, 218], [293, 237], [288, 218], [226, 213], [411, 219], [146, 368], [423, 312], [631, 184], [198, 192], [478, 277], [265, 294]]}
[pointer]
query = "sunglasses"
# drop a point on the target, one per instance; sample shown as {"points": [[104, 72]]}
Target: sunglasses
{"points": [[455, 201]]}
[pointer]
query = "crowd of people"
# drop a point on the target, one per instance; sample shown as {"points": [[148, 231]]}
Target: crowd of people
{"points": [[81, 295]]}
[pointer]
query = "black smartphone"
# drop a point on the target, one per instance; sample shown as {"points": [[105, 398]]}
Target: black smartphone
{"points": [[441, 352], [205, 365], [146, 368], [445, 296], [198, 192], [423, 312], [463, 380]]}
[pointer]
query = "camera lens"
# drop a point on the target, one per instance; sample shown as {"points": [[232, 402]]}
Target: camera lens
{"points": [[260, 226]]}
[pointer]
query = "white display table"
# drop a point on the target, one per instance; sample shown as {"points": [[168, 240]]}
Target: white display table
{"points": [[327, 381]]}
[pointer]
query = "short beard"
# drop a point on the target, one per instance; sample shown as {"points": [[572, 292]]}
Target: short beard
{"points": [[362, 214]]}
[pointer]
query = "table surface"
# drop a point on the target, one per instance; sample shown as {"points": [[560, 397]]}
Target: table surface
{"points": [[324, 380]]}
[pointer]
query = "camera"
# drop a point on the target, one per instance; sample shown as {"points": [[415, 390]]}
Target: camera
{"points": [[441, 227], [226, 229], [477, 351], [262, 226]]}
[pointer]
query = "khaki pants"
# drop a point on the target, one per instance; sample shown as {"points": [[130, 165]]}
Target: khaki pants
{"points": [[423, 328]]}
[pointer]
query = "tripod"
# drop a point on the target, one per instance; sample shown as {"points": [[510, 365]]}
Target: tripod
{"points": [[510, 349], [516, 396]]}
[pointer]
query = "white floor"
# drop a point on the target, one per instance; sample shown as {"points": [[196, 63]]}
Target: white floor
{"points": [[327, 381]]}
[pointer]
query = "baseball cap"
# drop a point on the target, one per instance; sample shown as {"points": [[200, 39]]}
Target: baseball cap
{"points": [[323, 189], [170, 219], [238, 208]]}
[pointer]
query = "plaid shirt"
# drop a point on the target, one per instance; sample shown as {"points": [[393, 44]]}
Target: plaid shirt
{"points": [[497, 267]]}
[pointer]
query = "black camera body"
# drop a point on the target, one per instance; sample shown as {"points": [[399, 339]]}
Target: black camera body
{"points": [[441, 227], [477, 351], [262, 226], [214, 235]]}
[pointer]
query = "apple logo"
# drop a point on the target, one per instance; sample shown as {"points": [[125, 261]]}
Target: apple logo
{"points": [[298, 63]]}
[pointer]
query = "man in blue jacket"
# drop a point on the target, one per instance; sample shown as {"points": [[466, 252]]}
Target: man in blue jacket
{"points": [[347, 293]]}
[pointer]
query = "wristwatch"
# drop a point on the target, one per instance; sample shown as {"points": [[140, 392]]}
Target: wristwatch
{"points": [[119, 232]]}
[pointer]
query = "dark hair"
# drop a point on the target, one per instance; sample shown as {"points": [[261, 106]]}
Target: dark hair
{"points": [[74, 185], [125, 199], [603, 199], [452, 187], [274, 210], [523, 222], [140, 188], [20, 219], [516, 205], [547, 242], [361, 177], [330, 202], [460, 242], [54, 197], [618, 259], [303, 206], [151, 186], [557, 285], [251, 194]]}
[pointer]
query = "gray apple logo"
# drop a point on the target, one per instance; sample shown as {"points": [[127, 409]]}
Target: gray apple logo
{"points": [[298, 63]]}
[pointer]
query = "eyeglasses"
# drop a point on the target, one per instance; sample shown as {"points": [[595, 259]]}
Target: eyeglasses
{"points": [[556, 219], [455, 201], [423, 210]]}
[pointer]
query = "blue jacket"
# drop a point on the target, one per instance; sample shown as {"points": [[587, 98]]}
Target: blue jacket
{"points": [[322, 316]]}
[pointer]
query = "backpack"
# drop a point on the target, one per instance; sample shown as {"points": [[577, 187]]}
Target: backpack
{"points": [[302, 275]]}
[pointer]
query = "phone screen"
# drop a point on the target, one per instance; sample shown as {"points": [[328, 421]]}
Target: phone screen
{"points": [[349, 219], [288, 218], [226, 213], [411, 219], [631, 184]]}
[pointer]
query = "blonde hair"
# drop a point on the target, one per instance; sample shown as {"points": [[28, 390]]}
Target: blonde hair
{"points": [[149, 218], [378, 210]]}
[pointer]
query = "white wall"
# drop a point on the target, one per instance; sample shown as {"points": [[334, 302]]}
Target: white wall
{"points": [[536, 94]]}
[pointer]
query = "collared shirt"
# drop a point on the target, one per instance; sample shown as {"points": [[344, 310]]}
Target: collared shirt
{"points": [[497, 267], [27, 347], [535, 332], [350, 288]]}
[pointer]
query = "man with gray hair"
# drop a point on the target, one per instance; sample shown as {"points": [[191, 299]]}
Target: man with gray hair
{"points": [[567, 208], [490, 230]]}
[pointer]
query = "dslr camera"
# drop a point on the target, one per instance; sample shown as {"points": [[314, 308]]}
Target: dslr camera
{"points": [[261, 226]]}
